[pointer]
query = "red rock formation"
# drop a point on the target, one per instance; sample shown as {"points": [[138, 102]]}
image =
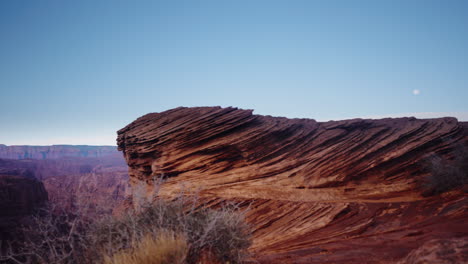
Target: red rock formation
{"points": [[319, 192], [54, 152]]}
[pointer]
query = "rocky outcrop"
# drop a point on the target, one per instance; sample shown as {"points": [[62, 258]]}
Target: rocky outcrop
{"points": [[54, 152], [20, 195], [339, 191]]}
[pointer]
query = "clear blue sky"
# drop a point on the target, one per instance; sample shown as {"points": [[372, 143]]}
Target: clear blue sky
{"points": [[76, 71]]}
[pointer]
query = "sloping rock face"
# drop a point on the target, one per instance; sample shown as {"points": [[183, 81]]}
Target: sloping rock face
{"points": [[54, 152], [318, 192]]}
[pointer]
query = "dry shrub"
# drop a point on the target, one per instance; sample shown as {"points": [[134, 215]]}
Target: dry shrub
{"points": [[446, 175], [167, 248], [51, 236], [61, 237], [222, 232]]}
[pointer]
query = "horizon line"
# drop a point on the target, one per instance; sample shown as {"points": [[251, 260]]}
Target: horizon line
{"points": [[460, 116], [55, 145]]}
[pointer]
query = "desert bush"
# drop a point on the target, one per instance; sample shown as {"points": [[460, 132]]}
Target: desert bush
{"points": [[221, 233], [445, 175], [52, 236], [62, 237]]}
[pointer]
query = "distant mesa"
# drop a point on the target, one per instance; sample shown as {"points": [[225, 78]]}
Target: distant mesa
{"points": [[54, 151]]}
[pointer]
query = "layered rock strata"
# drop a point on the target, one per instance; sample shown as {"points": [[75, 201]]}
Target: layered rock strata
{"points": [[338, 191]]}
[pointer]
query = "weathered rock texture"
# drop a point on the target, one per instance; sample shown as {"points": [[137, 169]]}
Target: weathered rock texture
{"points": [[54, 152], [319, 192]]}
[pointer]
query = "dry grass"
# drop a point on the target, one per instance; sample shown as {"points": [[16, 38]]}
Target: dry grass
{"points": [[142, 236], [222, 232], [183, 230], [167, 248]]}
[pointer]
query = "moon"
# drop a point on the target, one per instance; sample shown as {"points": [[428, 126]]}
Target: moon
{"points": [[416, 92]]}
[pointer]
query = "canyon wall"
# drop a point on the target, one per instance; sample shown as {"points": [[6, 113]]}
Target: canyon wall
{"points": [[317, 192]]}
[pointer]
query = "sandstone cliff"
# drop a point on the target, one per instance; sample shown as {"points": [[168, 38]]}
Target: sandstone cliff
{"points": [[339, 191]]}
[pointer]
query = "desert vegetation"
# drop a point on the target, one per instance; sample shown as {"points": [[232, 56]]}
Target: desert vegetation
{"points": [[445, 175], [181, 230], [220, 234], [165, 248]]}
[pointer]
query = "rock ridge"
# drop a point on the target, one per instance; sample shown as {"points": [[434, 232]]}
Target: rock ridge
{"points": [[338, 191]]}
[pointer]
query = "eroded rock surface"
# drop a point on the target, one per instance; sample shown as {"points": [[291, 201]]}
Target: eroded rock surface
{"points": [[319, 192]]}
